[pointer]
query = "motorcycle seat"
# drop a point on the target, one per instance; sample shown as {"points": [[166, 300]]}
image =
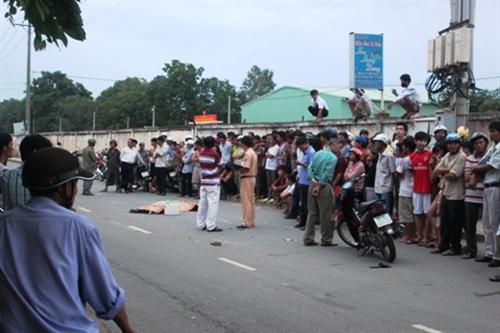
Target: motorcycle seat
{"points": [[364, 206]]}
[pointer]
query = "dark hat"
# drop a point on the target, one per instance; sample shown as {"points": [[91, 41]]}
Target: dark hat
{"points": [[51, 167]]}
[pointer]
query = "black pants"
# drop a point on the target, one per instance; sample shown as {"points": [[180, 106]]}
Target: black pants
{"points": [[451, 225], [472, 212], [186, 184], [113, 177], [127, 173], [314, 111], [304, 190], [229, 187], [161, 178]]}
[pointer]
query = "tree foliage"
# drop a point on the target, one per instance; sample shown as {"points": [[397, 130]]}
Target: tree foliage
{"points": [[177, 95], [485, 100], [52, 20], [257, 83]]}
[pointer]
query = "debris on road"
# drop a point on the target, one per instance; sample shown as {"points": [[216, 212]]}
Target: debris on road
{"points": [[381, 265], [216, 243]]}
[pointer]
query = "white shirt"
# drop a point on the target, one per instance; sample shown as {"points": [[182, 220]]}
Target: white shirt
{"points": [[403, 167], [410, 92], [272, 162], [130, 155], [160, 160], [320, 102]]}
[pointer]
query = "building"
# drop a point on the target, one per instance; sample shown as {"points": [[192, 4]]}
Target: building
{"points": [[289, 104]]}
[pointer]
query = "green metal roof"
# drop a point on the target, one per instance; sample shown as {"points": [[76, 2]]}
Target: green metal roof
{"points": [[288, 104]]}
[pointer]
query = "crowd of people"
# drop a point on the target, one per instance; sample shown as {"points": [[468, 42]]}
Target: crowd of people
{"points": [[438, 185]]}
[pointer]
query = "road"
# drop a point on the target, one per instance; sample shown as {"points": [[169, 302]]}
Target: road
{"points": [[265, 280]]}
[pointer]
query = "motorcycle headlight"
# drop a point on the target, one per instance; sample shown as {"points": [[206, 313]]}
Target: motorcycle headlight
{"points": [[389, 231]]}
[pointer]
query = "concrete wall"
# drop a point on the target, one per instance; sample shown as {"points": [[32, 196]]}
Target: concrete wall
{"points": [[78, 140]]}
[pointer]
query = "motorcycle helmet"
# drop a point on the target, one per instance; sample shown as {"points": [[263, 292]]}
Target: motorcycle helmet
{"points": [[381, 137], [440, 127], [356, 152], [362, 139], [463, 132], [479, 135], [453, 137]]}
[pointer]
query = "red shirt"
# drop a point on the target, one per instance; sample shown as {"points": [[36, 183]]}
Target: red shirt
{"points": [[421, 171]]}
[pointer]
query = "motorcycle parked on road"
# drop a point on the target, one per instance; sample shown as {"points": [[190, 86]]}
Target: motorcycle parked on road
{"points": [[379, 229]]}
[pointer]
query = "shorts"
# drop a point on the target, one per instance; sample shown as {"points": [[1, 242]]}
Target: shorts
{"points": [[421, 203], [405, 210]]}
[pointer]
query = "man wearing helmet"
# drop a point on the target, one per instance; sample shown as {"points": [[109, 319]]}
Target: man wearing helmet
{"points": [[451, 171], [440, 134], [52, 263]]}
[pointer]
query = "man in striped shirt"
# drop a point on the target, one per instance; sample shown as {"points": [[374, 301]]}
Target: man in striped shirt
{"points": [[14, 193], [210, 170], [474, 191]]}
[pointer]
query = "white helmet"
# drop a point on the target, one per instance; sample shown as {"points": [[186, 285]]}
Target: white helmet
{"points": [[440, 127], [381, 137]]}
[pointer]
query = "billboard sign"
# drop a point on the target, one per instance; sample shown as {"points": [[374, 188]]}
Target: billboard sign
{"points": [[366, 61]]}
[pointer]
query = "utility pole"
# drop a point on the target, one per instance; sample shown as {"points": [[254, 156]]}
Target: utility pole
{"points": [[153, 110], [27, 108], [229, 109], [462, 14], [93, 121], [128, 122], [60, 124]]}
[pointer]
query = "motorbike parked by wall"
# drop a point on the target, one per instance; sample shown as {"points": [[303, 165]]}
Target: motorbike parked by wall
{"points": [[366, 226]]}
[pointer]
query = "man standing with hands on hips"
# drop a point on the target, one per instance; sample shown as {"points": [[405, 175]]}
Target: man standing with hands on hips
{"points": [[320, 200], [248, 172]]}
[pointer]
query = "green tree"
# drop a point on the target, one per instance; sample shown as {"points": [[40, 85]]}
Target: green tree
{"points": [[125, 99], [257, 83], [214, 95], [11, 111], [485, 100], [52, 20], [48, 91], [76, 113]]}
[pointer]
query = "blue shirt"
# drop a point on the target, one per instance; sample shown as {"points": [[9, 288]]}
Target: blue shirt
{"points": [[13, 192], [187, 159], [308, 156], [322, 167], [51, 264]]}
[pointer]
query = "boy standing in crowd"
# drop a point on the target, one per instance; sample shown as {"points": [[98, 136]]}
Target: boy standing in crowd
{"points": [[405, 172], [422, 186], [386, 167]]}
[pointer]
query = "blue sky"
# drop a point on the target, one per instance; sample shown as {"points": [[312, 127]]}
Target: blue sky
{"points": [[305, 43]]}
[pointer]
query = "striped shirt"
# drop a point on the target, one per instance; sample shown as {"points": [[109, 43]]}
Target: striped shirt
{"points": [[210, 167], [13, 192], [473, 195]]}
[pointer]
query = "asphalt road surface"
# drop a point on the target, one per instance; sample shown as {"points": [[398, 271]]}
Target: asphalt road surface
{"points": [[265, 280]]}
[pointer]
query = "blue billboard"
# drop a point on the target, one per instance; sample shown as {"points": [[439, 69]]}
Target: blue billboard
{"points": [[367, 61]]}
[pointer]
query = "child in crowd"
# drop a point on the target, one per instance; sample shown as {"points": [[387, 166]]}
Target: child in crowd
{"points": [[404, 170]]}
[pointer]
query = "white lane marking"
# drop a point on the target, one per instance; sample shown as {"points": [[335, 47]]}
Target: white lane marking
{"points": [[84, 209], [144, 231], [237, 264], [426, 329]]}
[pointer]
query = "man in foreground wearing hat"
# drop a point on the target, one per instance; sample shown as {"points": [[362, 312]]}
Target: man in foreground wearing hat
{"points": [[51, 259]]}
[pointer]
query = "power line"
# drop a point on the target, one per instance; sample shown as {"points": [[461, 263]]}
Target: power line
{"points": [[264, 34], [12, 36], [274, 42], [84, 77], [13, 49]]}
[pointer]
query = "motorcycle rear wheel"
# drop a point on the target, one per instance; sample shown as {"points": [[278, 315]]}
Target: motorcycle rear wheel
{"points": [[345, 234], [388, 250]]}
